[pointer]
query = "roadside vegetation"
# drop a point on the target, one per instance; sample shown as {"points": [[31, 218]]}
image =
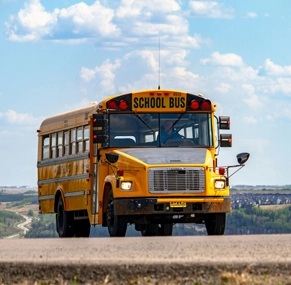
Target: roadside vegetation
{"points": [[8, 222], [273, 219]]}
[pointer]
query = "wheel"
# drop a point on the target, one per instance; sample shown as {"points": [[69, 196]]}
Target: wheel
{"points": [[117, 224], [150, 230], [215, 223], [64, 220], [165, 229], [82, 228]]}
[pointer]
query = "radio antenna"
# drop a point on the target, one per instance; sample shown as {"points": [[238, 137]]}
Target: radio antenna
{"points": [[159, 65]]}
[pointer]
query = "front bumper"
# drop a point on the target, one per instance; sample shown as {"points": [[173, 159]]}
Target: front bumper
{"points": [[160, 206]]}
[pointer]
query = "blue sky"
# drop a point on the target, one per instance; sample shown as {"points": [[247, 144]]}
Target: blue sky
{"points": [[56, 56]]}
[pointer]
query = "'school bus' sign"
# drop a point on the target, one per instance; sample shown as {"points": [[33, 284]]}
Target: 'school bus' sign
{"points": [[165, 101]]}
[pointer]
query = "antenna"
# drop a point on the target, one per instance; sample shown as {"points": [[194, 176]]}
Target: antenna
{"points": [[159, 64]]}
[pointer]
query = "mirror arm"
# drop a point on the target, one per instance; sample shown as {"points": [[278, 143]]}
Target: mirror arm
{"points": [[233, 166]]}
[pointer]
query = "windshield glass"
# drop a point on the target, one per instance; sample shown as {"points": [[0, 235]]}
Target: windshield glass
{"points": [[160, 130]]}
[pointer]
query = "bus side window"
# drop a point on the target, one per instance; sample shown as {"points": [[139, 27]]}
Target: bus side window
{"points": [[73, 141], [53, 145], [60, 144], [79, 139], [86, 138], [45, 146], [66, 142]]}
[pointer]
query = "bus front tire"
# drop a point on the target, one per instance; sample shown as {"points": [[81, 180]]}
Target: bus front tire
{"points": [[215, 223], [64, 220], [117, 224]]}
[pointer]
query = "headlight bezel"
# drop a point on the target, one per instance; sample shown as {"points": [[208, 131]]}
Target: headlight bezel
{"points": [[219, 184], [126, 185]]}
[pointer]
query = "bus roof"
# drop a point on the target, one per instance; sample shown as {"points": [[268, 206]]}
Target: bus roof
{"points": [[68, 119]]}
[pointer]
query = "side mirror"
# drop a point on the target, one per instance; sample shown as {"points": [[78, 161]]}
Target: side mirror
{"points": [[111, 157], [224, 123], [242, 157], [225, 140]]}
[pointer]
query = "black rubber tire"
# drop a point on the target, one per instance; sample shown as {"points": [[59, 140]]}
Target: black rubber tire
{"points": [[64, 221], [166, 229], [215, 223], [117, 224]]}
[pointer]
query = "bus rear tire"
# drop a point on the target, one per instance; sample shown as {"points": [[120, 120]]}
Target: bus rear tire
{"points": [[64, 220], [215, 223], [117, 224]]}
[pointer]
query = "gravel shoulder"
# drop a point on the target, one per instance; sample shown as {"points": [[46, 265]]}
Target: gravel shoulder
{"points": [[258, 259]]}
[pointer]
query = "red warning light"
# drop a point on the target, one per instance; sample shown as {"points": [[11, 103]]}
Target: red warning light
{"points": [[194, 105], [112, 104], [123, 105]]}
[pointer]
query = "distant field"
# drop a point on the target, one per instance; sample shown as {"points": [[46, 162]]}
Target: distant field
{"points": [[274, 207]]}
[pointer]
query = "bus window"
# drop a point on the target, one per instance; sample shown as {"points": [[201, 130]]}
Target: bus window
{"points": [[79, 139], [73, 141], [86, 138], [53, 145], [45, 146], [66, 142], [60, 144]]}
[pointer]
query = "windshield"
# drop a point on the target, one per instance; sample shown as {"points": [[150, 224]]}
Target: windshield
{"points": [[160, 130]]}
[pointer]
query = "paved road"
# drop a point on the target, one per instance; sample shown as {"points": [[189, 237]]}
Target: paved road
{"points": [[257, 259]]}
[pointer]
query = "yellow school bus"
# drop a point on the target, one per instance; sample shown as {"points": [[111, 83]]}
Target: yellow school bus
{"points": [[146, 158]]}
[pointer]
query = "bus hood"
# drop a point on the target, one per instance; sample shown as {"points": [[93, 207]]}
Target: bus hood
{"points": [[169, 155]]}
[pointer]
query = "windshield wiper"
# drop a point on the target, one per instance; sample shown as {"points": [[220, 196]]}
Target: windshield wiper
{"points": [[141, 119], [179, 118]]}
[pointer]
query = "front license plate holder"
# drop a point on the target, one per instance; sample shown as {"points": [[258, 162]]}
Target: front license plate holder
{"points": [[178, 204]]}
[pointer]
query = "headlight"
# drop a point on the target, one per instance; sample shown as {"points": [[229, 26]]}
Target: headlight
{"points": [[126, 186], [219, 184]]}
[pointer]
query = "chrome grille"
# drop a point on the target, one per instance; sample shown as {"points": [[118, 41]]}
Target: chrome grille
{"points": [[176, 180]]}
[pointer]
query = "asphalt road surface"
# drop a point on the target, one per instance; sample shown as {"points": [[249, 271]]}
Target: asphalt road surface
{"points": [[254, 259]]}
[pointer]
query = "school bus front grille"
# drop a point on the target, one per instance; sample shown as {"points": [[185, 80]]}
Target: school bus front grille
{"points": [[176, 180]]}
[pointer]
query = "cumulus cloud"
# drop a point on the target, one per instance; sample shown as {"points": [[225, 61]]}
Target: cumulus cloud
{"points": [[33, 23], [211, 9], [124, 24], [228, 59], [270, 68], [252, 15], [103, 75], [250, 120], [19, 118]]}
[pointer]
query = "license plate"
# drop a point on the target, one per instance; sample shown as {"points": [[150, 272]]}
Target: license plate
{"points": [[178, 204]]}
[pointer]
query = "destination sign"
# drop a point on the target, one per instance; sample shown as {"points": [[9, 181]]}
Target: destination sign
{"points": [[170, 102]]}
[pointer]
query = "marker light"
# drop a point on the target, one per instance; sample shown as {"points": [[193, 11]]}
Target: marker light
{"points": [[120, 172], [112, 104], [123, 105], [194, 104], [219, 184], [221, 170], [126, 185], [206, 105]]}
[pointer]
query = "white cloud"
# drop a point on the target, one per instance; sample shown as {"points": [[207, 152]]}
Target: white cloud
{"points": [[252, 15], [210, 9], [270, 68], [228, 59], [223, 88], [127, 23], [80, 21], [250, 120], [103, 75], [129, 8], [20, 118]]}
